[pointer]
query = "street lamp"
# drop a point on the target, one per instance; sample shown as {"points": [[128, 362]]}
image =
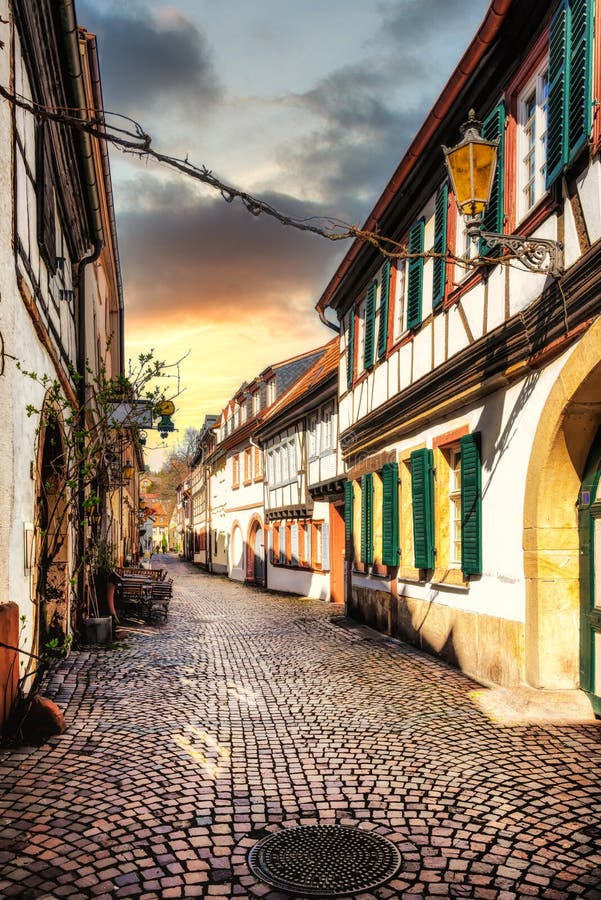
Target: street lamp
{"points": [[471, 166], [127, 470]]}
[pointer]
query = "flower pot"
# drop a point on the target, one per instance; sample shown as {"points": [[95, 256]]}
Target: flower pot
{"points": [[98, 630]]}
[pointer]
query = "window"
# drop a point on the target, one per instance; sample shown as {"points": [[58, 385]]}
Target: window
{"points": [[415, 277], [367, 522], [373, 316], [46, 202], [285, 463], [277, 468], [360, 335], [456, 520], [282, 543], [256, 402], [370, 325], [382, 310], [350, 347], [248, 465], [570, 63], [258, 461], [236, 471], [399, 299], [236, 416], [271, 391], [317, 549], [312, 437], [455, 506], [294, 544], [532, 142], [305, 543], [327, 443]]}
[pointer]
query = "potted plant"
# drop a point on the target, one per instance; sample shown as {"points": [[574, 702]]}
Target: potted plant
{"points": [[99, 625]]}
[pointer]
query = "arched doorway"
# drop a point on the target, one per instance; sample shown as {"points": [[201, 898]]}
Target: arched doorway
{"points": [[562, 443], [52, 535], [255, 558]]}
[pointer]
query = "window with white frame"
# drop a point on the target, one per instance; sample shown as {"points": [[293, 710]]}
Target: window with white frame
{"points": [[256, 402], [271, 391], [312, 437], [398, 273], [455, 505], [277, 465], [327, 430], [532, 141], [360, 334], [285, 464]]}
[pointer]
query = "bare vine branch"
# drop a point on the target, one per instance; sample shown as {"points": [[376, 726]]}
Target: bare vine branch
{"points": [[137, 142]]}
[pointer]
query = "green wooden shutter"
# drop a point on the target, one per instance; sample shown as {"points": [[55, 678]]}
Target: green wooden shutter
{"points": [[370, 325], [384, 293], [493, 219], [558, 93], [440, 244], [349, 511], [415, 277], [422, 496], [390, 514], [367, 496], [350, 350], [580, 60], [471, 505]]}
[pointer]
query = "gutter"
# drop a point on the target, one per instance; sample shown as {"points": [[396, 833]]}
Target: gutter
{"points": [[68, 22], [108, 189], [479, 46]]}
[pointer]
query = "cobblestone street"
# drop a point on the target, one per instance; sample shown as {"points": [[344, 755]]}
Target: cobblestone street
{"points": [[251, 711]]}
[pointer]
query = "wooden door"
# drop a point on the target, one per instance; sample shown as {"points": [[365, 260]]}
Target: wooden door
{"points": [[337, 552]]}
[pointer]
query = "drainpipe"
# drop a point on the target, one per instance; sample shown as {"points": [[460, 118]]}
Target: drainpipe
{"points": [[83, 143], [80, 285]]}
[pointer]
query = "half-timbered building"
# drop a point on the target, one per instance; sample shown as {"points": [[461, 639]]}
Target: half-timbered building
{"points": [[304, 478], [470, 385]]}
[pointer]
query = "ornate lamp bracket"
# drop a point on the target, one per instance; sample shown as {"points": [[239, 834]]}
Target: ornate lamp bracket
{"points": [[537, 254]]}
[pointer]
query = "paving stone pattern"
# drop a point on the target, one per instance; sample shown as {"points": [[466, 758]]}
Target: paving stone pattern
{"points": [[249, 712]]}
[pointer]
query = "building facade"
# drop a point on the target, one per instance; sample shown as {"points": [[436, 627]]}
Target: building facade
{"points": [[200, 493], [304, 478], [236, 490], [469, 394], [61, 310]]}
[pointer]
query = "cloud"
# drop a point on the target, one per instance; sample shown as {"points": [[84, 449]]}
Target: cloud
{"points": [[194, 259], [368, 113], [151, 61]]}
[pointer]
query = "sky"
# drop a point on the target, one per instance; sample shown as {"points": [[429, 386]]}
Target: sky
{"points": [[309, 105]]}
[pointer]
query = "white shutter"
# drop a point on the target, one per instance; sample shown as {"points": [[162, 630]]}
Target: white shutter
{"points": [[294, 544]]}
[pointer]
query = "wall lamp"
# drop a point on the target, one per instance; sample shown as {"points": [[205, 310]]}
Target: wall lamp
{"points": [[127, 470], [471, 166]]}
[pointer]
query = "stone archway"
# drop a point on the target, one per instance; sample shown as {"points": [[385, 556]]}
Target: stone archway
{"points": [[566, 430]]}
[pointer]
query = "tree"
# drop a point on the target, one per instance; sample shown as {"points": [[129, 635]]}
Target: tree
{"points": [[81, 452]]}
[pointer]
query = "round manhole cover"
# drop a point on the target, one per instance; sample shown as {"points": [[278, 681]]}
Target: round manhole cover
{"points": [[324, 860]]}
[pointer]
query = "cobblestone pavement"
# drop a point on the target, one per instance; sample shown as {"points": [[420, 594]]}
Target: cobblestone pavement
{"points": [[252, 711]]}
